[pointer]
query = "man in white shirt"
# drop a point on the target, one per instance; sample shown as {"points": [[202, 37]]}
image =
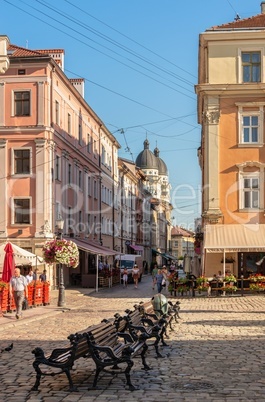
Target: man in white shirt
{"points": [[29, 277], [19, 290]]}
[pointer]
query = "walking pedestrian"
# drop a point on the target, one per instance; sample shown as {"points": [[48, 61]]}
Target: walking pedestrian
{"points": [[158, 280], [35, 274], [19, 290], [125, 277], [135, 275], [154, 273]]}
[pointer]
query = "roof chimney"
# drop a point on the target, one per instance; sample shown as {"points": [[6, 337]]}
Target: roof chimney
{"points": [[262, 4], [4, 59]]}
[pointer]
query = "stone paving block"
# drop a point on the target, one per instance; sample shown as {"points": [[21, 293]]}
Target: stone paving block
{"points": [[213, 340]]}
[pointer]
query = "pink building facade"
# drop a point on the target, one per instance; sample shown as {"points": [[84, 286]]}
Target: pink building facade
{"points": [[57, 157]]}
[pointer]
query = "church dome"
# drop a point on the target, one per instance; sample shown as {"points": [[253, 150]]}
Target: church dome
{"points": [[146, 159], [162, 167]]}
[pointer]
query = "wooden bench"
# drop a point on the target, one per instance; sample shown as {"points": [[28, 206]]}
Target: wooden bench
{"points": [[157, 316], [134, 323], [61, 358], [100, 342], [107, 349]]}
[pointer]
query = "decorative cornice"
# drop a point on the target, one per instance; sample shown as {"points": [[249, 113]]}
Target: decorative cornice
{"points": [[40, 143], [3, 143]]}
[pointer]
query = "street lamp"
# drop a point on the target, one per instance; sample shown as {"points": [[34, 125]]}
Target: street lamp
{"points": [[61, 297]]}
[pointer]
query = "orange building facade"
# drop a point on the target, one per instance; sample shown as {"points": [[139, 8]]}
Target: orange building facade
{"points": [[232, 156]]}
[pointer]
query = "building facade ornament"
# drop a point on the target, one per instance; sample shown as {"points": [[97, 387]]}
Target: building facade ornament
{"points": [[212, 116]]}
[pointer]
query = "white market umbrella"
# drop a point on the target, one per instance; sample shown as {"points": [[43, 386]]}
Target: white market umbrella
{"points": [[21, 256]]}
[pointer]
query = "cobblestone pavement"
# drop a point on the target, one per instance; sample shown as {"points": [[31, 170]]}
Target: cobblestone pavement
{"points": [[216, 352]]}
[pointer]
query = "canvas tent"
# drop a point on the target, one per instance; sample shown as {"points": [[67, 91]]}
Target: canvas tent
{"points": [[21, 256]]}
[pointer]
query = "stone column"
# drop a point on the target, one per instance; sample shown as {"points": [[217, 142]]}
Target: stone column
{"points": [[4, 199], [41, 103], [211, 168]]}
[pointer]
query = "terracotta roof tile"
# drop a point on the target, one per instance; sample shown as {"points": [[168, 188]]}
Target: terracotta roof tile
{"points": [[178, 231], [258, 21], [16, 51], [46, 51]]}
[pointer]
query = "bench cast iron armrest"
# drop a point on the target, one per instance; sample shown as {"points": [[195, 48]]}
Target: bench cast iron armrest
{"points": [[152, 315], [109, 351], [148, 321], [126, 337], [59, 352]]}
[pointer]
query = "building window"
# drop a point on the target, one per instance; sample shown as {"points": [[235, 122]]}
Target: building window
{"points": [[250, 129], [88, 143], [21, 161], [58, 210], [57, 121], [95, 190], [80, 134], [80, 179], [57, 167], [251, 192], [69, 174], [89, 185], [250, 123], [21, 210], [251, 65], [22, 103], [69, 123], [103, 155], [69, 219], [80, 224]]}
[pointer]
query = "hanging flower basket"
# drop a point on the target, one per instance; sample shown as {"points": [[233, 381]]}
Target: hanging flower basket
{"points": [[62, 252]]}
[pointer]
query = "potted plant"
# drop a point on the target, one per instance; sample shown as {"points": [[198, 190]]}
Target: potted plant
{"points": [[257, 278], [230, 278], [3, 296], [231, 289], [170, 287], [3, 285], [201, 280], [258, 286], [203, 288]]}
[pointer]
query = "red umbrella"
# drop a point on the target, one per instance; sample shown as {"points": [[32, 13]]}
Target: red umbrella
{"points": [[9, 264]]}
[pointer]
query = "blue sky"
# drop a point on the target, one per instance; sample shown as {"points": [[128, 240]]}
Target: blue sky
{"points": [[139, 60]]}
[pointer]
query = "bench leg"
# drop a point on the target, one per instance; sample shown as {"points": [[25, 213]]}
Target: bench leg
{"points": [[98, 370], [38, 376], [163, 332], [72, 388], [170, 324], [128, 376], [158, 354], [146, 367]]}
